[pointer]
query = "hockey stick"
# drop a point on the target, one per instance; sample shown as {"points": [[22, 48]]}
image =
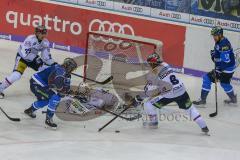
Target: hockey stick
{"points": [[115, 114], [110, 112], [109, 122], [10, 118], [237, 59], [216, 112], [103, 82]]}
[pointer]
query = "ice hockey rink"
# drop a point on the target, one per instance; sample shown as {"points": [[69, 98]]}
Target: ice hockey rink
{"points": [[174, 140]]}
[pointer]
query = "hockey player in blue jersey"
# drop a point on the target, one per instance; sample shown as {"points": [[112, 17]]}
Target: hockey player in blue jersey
{"points": [[224, 60], [49, 86]]}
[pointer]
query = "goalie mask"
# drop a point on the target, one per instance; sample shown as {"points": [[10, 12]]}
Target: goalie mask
{"points": [[70, 65], [83, 89]]}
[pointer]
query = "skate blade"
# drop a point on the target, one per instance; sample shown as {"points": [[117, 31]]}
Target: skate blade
{"points": [[231, 104], [50, 128], [28, 117], [206, 133], [147, 126]]}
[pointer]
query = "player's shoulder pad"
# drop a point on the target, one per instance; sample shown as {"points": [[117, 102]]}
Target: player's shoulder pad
{"points": [[166, 66], [31, 37], [225, 45], [164, 69], [45, 43], [59, 70], [29, 40]]}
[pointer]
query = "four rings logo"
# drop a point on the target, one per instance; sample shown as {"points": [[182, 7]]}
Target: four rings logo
{"points": [[106, 26], [137, 9], [101, 3]]}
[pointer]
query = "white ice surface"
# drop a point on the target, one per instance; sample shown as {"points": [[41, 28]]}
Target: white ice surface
{"points": [[29, 140]]}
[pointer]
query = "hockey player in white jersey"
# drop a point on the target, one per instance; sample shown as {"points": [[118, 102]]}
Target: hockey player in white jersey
{"points": [[27, 56], [161, 71]]}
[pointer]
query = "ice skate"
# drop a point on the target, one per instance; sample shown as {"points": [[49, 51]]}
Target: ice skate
{"points": [[2, 95], [30, 112], [49, 124], [199, 103], [232, 101], [205, 130]]}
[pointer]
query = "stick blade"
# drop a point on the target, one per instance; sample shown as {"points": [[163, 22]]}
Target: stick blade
{"points": [[15, 119], [107, 80], [213, 114]]}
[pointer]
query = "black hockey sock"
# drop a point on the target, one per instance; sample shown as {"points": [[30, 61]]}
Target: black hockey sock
{"points": [[231, 95], [204, 94]]}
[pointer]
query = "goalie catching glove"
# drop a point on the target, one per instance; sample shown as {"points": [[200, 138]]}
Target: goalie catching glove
{"points": [[137, 101]]}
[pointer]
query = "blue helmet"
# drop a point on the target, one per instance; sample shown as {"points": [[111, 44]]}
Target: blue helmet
{"points": [[217, 30]]}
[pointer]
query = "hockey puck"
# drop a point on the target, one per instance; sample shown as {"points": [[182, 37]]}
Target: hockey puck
{"points": [[117, 131]]}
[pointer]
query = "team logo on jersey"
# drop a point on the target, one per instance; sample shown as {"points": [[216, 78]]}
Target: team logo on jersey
{"points": [[225, 48], [27, 44]]}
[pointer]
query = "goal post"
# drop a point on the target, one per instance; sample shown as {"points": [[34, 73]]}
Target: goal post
{"points": [[120, 55]]}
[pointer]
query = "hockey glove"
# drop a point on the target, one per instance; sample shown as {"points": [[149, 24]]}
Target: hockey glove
{"points": [[212, 55], [137, 101]]}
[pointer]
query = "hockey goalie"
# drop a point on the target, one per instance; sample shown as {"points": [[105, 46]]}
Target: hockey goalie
{"points": [[86, 104]]}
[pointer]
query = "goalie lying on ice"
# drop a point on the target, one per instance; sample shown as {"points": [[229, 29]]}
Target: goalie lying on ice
{"points": [[86, 104]]}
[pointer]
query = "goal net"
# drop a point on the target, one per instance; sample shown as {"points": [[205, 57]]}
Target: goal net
{"points": [[122, 56]]}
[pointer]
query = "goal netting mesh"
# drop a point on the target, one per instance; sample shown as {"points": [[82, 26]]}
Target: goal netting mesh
{"points": [[122, 56]]}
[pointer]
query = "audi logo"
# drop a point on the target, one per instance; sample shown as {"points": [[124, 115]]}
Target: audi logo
{"points": [[137, 9], [107, 26], [101, 3]]}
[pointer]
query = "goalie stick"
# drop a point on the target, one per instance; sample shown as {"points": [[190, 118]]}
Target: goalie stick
{"points": [[98, 82], [110, 112], [10, 118], [125, 118]]}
